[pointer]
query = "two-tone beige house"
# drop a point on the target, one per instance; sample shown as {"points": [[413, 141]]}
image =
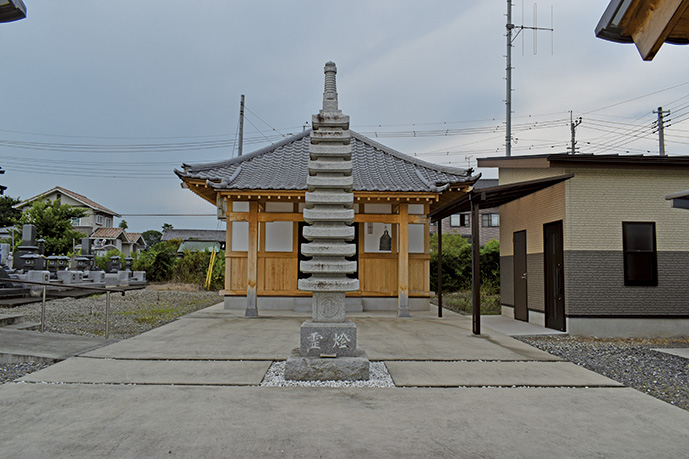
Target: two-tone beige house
{"points": [[97, 216], [603, 253]]}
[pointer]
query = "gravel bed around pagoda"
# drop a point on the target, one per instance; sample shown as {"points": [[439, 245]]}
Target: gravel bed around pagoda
{"points": [[380, 377]]}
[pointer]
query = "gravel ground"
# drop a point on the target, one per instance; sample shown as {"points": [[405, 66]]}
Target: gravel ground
{"points": [[631, 362], [379, 377], [134, 313]]}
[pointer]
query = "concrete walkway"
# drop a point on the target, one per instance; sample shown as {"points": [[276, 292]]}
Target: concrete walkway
{"points": [[191, 389], [21, 345]]}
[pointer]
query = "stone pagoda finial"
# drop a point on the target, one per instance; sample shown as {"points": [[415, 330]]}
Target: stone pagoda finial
{"points": [[330, 92]]}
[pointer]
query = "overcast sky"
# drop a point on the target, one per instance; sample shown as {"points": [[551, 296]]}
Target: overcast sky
{"points": [[106, 77]]}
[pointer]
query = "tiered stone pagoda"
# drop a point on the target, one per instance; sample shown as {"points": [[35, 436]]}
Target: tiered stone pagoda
{"points": [[328, 342]]}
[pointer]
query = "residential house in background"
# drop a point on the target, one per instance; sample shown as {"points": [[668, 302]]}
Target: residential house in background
{"points": [[97, 216], [97, 224], [105, 239], [461, 223], [196, 240], [194, 235], [602, 253]]}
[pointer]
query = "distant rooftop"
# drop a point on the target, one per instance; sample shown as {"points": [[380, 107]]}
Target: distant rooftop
{"points": [[194, 234], [76, 196]]}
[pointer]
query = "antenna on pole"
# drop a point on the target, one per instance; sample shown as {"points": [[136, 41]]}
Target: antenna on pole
{"points": [[508, 68], [241, 126], [573, 126], [660, 126]]}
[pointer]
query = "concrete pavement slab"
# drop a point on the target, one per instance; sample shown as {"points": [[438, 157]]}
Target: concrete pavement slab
{"points": [[261, 338], [447, 338], [21, 345], [104, 421], [512, 327], [679, 352], [498, 374], [110, 371], [214, 335]]}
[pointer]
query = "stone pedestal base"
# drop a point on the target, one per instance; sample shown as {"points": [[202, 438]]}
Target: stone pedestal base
{"points": [[320, 339], [300, 368]]}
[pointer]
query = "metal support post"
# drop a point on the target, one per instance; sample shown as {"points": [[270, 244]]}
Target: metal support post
{"points": [[107, 315], [43, 312], [475, 267]]}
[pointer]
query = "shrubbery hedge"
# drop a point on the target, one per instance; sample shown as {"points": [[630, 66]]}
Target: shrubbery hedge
{"points": [[162, 264], [457, 264]]}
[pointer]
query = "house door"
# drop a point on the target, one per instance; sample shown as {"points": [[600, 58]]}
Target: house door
{"points": [[553, 248], [521, 311]]}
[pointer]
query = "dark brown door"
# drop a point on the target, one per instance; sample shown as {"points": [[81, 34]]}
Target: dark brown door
{"points": [[553, 248], [521, 311]]}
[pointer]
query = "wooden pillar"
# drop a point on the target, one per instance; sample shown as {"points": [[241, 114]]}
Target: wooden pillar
{"points": [[475, 267], [403, 263], [228, 248], [440, 267], [252, 262]]}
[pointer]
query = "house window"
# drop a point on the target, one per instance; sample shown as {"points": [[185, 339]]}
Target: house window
{"points": [[76, 221], [99, 219], [108, 222], [490, 220], [459, 220], [640, 254]]}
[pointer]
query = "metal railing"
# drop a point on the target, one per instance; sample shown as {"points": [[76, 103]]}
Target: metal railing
{"points": [[45, 285]]}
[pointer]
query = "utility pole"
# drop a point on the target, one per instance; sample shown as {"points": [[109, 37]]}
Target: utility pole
{"points": [[508, 70], [241, 126], [508, 79], [661, 129], [573, 126]]}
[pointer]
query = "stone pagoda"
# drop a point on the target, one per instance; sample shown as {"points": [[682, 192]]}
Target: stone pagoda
{"points": [[328, 348]]}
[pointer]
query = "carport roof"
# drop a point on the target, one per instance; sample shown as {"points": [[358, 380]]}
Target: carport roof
{"points": [[496, 195]]}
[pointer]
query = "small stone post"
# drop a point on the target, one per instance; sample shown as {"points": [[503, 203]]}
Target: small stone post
{"points": [[328, 342]]}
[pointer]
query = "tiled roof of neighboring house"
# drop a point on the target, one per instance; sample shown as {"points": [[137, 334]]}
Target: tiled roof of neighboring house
{"points": [[284, 166], [197, 234], [76, 196], [134, 237], [109, 233]]}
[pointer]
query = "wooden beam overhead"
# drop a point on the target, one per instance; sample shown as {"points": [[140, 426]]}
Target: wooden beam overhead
{"points": [[652, 23]]}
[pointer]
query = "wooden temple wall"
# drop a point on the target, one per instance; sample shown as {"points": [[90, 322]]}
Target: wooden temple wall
{"points": [[275, 264]]}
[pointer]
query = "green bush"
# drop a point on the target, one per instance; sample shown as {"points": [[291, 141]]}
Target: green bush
{"points": [[490, 266], [457, 264], [158, 261], [103, 259], [162, 264]]}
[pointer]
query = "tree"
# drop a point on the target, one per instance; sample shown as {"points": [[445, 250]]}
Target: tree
{"points": [[123, 224], [167, 226], [53, 222], [8, 213], [152, 237]]}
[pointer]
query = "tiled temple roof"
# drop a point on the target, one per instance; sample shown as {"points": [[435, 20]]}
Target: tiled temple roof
{"points": [[283, 166]]}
